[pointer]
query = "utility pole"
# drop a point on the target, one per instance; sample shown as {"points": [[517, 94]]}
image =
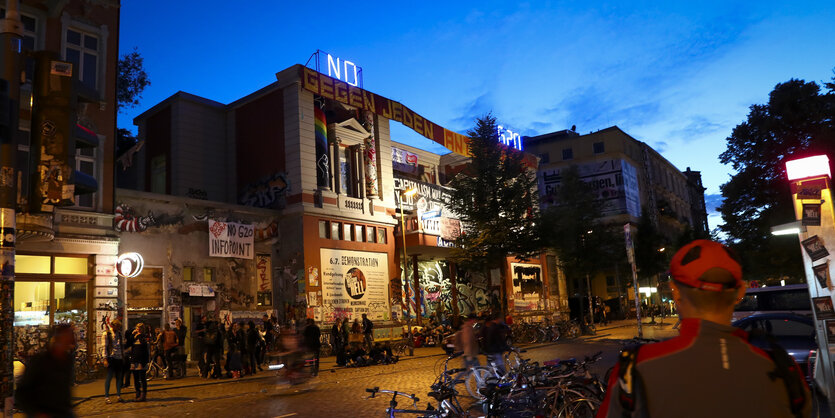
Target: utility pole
{"points": [[11, 32]]}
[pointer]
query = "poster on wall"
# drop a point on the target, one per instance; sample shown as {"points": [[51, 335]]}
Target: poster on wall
{"points": [[231, 239], [527, 286], [822, 274], [814, 247], [811, 214], [830, 331], [353, 283], [823, 308]]}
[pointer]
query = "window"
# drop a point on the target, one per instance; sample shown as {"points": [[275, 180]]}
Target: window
{"points": [[370, 233], [323, 229], [567, 154], [349, 176], [359, 233], [336, 229], [70, 265], [188, 273], [347, 232], [82, 50], [544, 158], [208, 274], [28, 43], [158, 174], [381, 236], [85, 162], [598, 148]]}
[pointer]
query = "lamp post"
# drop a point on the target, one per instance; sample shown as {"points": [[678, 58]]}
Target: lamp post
{"points": [[406, 193]]}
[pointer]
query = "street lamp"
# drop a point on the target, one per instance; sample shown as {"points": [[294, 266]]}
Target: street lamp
{"points": [[406, 193]]}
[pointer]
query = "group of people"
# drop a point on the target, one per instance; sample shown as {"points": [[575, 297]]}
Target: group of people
{"points": [[354, 344], [232, 350], [128, 354]]}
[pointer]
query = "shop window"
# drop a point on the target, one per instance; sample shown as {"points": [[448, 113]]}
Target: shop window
{"points": [[70, 265], [188, 274], [35, 264], [347, 232], [336, 230], [323, 229], [370, 233], [598, 148], [31, 303], [70, 302], [359, 233], [381, 236], [208, 274]]}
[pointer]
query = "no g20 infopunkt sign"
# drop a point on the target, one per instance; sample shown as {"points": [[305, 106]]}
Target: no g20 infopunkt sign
{"points": [[231, 239]]}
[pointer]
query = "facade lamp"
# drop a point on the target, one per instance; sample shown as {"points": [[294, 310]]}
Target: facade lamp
{"points": [[791, 228]]}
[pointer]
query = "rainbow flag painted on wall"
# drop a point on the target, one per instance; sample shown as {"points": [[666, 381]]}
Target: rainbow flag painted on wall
{"points": [[323, 178]]}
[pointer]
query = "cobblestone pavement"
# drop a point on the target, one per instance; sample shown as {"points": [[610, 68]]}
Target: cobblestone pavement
{"points": [[337, 393]]}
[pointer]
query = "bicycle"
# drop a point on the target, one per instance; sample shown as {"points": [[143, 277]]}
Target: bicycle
{"points": [[83, 371]]}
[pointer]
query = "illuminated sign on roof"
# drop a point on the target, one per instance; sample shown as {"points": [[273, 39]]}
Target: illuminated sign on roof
{"points": [[510, 138]]}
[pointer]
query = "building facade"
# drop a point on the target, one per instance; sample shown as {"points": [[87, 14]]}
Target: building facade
{"points": [[66, 251], [631, 180]]}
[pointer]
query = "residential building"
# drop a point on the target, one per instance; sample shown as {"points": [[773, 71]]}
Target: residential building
{"points": [[66, 248]]}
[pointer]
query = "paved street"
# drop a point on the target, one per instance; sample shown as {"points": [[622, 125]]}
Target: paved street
{"points": [[338, 392]]}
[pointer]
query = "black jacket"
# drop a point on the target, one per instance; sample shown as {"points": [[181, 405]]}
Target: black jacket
{"points": [[138, 344], [312, 336], [45, 386]]}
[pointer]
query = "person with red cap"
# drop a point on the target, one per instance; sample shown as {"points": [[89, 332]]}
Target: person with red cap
{"points": [[710, 369]]}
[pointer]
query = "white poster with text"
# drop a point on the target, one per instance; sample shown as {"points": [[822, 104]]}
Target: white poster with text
{"points": [[354, 283], [231, 239]]}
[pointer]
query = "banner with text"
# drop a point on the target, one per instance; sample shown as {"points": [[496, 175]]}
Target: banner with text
{"points": [[231, 239], [613, 182], [527, 286], [354, 283]]}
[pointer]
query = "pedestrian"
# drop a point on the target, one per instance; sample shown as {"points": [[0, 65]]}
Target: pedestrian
{"points": [[233, 352], [346, 332], [158, 347], [367, 331], [169, 346], [182, 331], [710, 369], [253, 347], [312, 341], [45, 387], [213, 341], [337, 342], [114, 354], [495, 341], [138, 341], [199, 334]]}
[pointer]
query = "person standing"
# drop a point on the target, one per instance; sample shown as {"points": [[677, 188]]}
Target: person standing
{"points": [[312, 340], [338, 343], [45, 387], [213, 341], [367, 331], [182, 331], [169, 347], [138, 341], [114, 355], [495, 341], [199, 334], [253, 347], [710, 369]]}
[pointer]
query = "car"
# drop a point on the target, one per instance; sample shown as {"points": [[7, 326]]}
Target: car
{"points": [[795, 333], [792, 299]]}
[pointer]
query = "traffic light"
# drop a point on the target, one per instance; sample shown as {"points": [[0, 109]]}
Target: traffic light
{"points": [[56, 134]]}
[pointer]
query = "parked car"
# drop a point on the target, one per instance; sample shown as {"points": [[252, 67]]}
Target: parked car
{"points": [[792, 299], [795, 333]]}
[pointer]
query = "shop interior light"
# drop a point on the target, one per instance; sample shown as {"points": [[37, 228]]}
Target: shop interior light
{"points": [[791, 228], [804, 168], [410, 192]]}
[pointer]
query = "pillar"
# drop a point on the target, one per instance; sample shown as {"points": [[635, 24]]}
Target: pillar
{"points": [[417, 289]]}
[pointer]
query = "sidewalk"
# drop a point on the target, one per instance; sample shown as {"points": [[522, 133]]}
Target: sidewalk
{"points": [[628, 328], [95, 388]]}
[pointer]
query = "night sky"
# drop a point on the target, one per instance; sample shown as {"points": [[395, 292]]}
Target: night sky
{"points": [[678, 77]]}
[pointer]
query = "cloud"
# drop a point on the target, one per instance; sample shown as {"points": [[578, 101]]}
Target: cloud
{"points": [[697, 127], [479, 107], [713, 201], [660, 146]]}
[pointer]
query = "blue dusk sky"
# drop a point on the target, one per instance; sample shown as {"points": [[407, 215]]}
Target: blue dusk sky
{"points": [[678, 76]]}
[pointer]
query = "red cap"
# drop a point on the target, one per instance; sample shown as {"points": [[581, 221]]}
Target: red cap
{"points": [[693, 260]]}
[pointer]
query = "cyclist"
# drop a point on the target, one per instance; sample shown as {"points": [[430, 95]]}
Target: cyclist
{"points": [[710, 369]]}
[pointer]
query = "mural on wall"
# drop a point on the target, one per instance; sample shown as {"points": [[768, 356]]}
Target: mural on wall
{"points": [[474, 295], [267, 192], [127, 219]]}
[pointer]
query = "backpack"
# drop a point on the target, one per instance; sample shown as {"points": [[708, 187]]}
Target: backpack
{"points": [[630, 382]]}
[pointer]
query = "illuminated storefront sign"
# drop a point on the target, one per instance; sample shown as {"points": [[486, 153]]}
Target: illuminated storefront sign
{"points": [[509, 138]]}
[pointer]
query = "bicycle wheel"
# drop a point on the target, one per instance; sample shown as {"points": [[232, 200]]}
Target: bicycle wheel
{"points": [[579, 408], [512, 360], [476, 380], [573, 330]]}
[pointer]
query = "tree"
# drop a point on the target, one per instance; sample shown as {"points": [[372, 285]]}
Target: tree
{"points": [[496, 200], [798, 120], [131, 80]]}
